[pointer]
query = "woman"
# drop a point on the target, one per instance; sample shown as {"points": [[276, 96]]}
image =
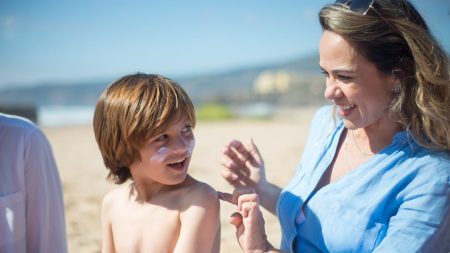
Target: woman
{"points": [[375, 172]]}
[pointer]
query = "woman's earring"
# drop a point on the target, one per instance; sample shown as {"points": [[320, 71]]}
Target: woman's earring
{"points": [[396, 88], [396, 73]]}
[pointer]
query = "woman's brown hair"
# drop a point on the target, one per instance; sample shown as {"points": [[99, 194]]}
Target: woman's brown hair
{"points": [[394, 37]]}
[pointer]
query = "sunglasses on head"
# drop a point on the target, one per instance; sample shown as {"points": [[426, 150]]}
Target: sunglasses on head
{"points": [[362, 7]]}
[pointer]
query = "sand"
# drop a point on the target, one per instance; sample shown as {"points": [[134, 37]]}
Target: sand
{"points": [[280, 141]]}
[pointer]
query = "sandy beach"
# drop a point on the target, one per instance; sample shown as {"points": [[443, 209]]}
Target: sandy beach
{"points": [[82, 172]]}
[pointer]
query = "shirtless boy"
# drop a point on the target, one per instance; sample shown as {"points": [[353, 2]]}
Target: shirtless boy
{"points": [[143, 127]]}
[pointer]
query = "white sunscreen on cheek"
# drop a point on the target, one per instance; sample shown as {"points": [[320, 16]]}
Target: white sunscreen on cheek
{"points": [[190, 147], [160, 155]]}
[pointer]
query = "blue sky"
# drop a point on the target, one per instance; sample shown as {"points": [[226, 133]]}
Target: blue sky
{"points": [[59, 40]]}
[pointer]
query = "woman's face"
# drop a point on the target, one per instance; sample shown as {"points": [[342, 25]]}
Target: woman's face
{"points": [[360, 92]]}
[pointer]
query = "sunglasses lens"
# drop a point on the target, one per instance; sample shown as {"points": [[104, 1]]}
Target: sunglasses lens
{"points": [[361, 6]]}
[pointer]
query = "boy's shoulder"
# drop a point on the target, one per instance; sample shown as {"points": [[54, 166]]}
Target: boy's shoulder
{"points": [[198, 191], [196, 187], [115, 196]]}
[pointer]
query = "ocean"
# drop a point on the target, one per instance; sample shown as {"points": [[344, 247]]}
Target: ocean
{"points": [[56, 116]]}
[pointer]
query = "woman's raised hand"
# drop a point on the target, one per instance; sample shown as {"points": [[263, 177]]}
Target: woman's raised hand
{"points": [[243, 165]]}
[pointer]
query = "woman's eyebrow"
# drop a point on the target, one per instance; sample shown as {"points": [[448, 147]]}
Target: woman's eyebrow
{"points": [[339, 70]]}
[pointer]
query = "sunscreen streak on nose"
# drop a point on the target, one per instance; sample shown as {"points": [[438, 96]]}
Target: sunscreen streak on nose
{"points": [[160, 155]]}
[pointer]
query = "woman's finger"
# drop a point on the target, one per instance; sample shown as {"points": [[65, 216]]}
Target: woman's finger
{"points": [[232, 165], [236, 219], [229, 176], [254, 152], [237, 151], [245, 198], [236, 165], [247, 207], [227, 197]]}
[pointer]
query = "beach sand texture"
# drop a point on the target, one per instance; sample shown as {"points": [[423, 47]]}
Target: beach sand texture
{"points": [[280, 141]]}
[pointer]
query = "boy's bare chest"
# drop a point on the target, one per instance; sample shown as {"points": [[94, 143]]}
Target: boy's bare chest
{"points": [[146, 229]]}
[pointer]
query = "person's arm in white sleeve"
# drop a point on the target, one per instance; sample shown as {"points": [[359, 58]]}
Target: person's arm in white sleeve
{"points": [[45, 222]]}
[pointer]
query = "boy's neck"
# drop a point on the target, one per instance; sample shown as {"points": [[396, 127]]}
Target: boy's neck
{"points": [[145, 191]]}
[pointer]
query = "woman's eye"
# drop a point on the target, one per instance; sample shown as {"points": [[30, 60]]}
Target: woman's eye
{"points": [[345, 78], [324, 73]]}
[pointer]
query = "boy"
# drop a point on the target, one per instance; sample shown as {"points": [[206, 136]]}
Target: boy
{"points": [[143, 127]]}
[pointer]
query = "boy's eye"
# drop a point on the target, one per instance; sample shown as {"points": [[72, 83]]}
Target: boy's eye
{"points": [[161, 137], [324, 73], [187, 129]]}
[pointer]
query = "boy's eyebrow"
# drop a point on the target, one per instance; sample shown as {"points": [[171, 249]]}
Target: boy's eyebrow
{"points": [[184, 120], [156, 132]]}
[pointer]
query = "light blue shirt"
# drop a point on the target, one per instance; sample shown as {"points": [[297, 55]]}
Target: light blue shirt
{"points": [[398, 201]]}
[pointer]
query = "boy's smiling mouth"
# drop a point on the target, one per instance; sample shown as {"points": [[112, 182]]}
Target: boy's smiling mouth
{"points": [[177, 164]]}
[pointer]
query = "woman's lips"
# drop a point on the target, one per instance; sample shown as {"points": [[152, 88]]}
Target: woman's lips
{"points": [[346, 110]]}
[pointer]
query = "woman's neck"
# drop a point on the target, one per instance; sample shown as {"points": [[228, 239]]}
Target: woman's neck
{"points": [[374, 139]]}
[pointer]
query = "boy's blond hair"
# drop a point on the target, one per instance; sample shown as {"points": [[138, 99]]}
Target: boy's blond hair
{"points": [[131, 111]]}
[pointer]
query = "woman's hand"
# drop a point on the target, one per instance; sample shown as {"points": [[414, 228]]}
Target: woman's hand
{"points": [[249, 222], [243, 165], [244, 169]]}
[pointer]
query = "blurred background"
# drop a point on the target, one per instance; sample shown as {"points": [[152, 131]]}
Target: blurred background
{"points": [[251, 68], [56, 57]]}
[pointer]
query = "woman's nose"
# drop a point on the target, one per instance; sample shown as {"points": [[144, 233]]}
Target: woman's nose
{"points": [[332, 90]]}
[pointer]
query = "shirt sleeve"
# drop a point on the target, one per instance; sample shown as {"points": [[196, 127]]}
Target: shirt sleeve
{"points": [[422, 223], [45, 222]]}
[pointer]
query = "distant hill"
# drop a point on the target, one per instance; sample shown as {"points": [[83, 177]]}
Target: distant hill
{"points": [[238, 83], [226, 87], [80, 93]]}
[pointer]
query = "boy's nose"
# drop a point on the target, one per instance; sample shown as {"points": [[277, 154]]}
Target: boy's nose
{"points": [[180, 145]]}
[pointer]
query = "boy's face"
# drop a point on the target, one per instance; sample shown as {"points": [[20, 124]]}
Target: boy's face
{"points": [[165, 157]]}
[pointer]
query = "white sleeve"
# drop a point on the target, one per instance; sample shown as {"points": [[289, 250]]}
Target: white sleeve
{"points": [[45, 222]]}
